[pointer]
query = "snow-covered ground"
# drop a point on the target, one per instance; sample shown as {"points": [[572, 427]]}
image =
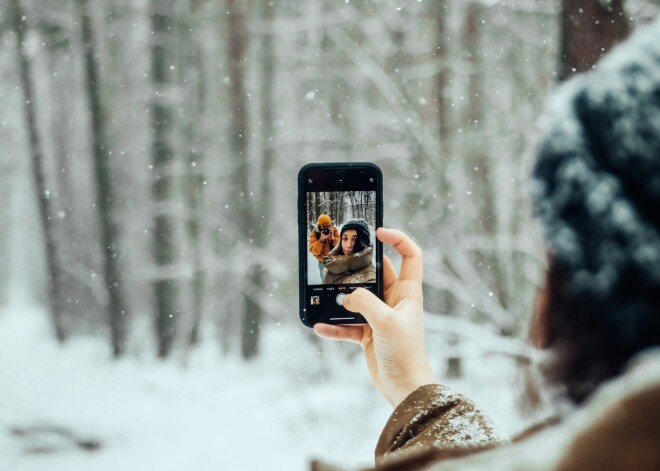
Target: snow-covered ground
{"points": [[218, 412], [313, 273]]}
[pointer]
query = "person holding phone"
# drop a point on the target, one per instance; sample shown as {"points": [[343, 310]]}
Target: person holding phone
{"points": [[323, 239], [596, 191], [351, 261]]}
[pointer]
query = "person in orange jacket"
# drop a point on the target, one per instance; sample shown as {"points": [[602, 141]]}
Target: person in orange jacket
{"points": [[323, 238]]}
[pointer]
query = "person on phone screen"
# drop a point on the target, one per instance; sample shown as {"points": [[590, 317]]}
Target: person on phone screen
{"points": [[322, 240], [596, 192], [351, 261]]}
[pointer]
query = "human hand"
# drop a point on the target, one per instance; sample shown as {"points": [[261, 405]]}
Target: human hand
{"points": [[393, 339]]}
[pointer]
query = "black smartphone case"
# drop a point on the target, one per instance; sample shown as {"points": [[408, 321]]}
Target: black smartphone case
{"points": [[303, 235]]}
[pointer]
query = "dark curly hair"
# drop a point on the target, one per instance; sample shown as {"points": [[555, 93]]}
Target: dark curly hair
{"points": [[596, 190]]}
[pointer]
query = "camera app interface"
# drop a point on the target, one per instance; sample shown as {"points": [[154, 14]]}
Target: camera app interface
{"points": [[341, 244]]}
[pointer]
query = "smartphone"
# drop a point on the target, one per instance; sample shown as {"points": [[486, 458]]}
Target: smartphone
{"points": [[340, 206]]}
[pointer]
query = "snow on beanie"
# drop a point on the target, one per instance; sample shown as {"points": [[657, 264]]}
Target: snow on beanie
{"points": [[596, 182]]}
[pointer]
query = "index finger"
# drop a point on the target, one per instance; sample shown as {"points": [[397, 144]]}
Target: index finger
{"points": [[411, 254], [389, 273]]}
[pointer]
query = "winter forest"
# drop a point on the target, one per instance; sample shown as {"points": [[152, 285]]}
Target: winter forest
{"points": [[342, 206], [149, 151]]}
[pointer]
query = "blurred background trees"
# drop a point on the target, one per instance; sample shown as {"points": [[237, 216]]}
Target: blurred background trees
{"points": [[150, 151]]}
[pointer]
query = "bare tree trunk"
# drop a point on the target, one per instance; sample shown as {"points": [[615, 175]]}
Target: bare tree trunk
{"points": [[440, 14], [193, 188], [164, 246], [258, 273], [60, 104], [474, 119], [237, 44], [321, 198], [480, 171], [340, 210], [588, 30], [267, 92], [37, 168], [476, 159], [104, 192], [238, 139], [311, 207]]}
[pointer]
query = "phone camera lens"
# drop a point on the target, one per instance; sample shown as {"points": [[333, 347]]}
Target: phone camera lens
{"points": [[371, 180]]}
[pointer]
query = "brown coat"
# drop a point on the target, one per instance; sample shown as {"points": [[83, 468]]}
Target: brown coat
{"points": [[356, 268], [618, 429], [320, 248]]}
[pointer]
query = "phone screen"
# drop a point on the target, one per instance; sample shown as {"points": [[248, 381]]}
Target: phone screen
{"points": [[340, 207]]}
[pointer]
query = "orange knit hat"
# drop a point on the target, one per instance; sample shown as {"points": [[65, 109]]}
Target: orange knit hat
{"points": [[324, 220]]}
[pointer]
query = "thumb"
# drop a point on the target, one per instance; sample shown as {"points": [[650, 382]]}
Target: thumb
{"points": [[369, 305]]}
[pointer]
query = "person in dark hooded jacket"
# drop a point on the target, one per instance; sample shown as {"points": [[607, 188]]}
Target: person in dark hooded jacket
{"points": [[596, 190], [351, 261]]}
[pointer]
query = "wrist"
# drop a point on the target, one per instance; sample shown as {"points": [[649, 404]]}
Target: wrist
{"points": [[414, 382]]}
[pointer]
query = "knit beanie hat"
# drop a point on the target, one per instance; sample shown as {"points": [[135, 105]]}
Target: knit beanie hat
{"points": [[324, 220], [362, 228], [596, 182]]}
